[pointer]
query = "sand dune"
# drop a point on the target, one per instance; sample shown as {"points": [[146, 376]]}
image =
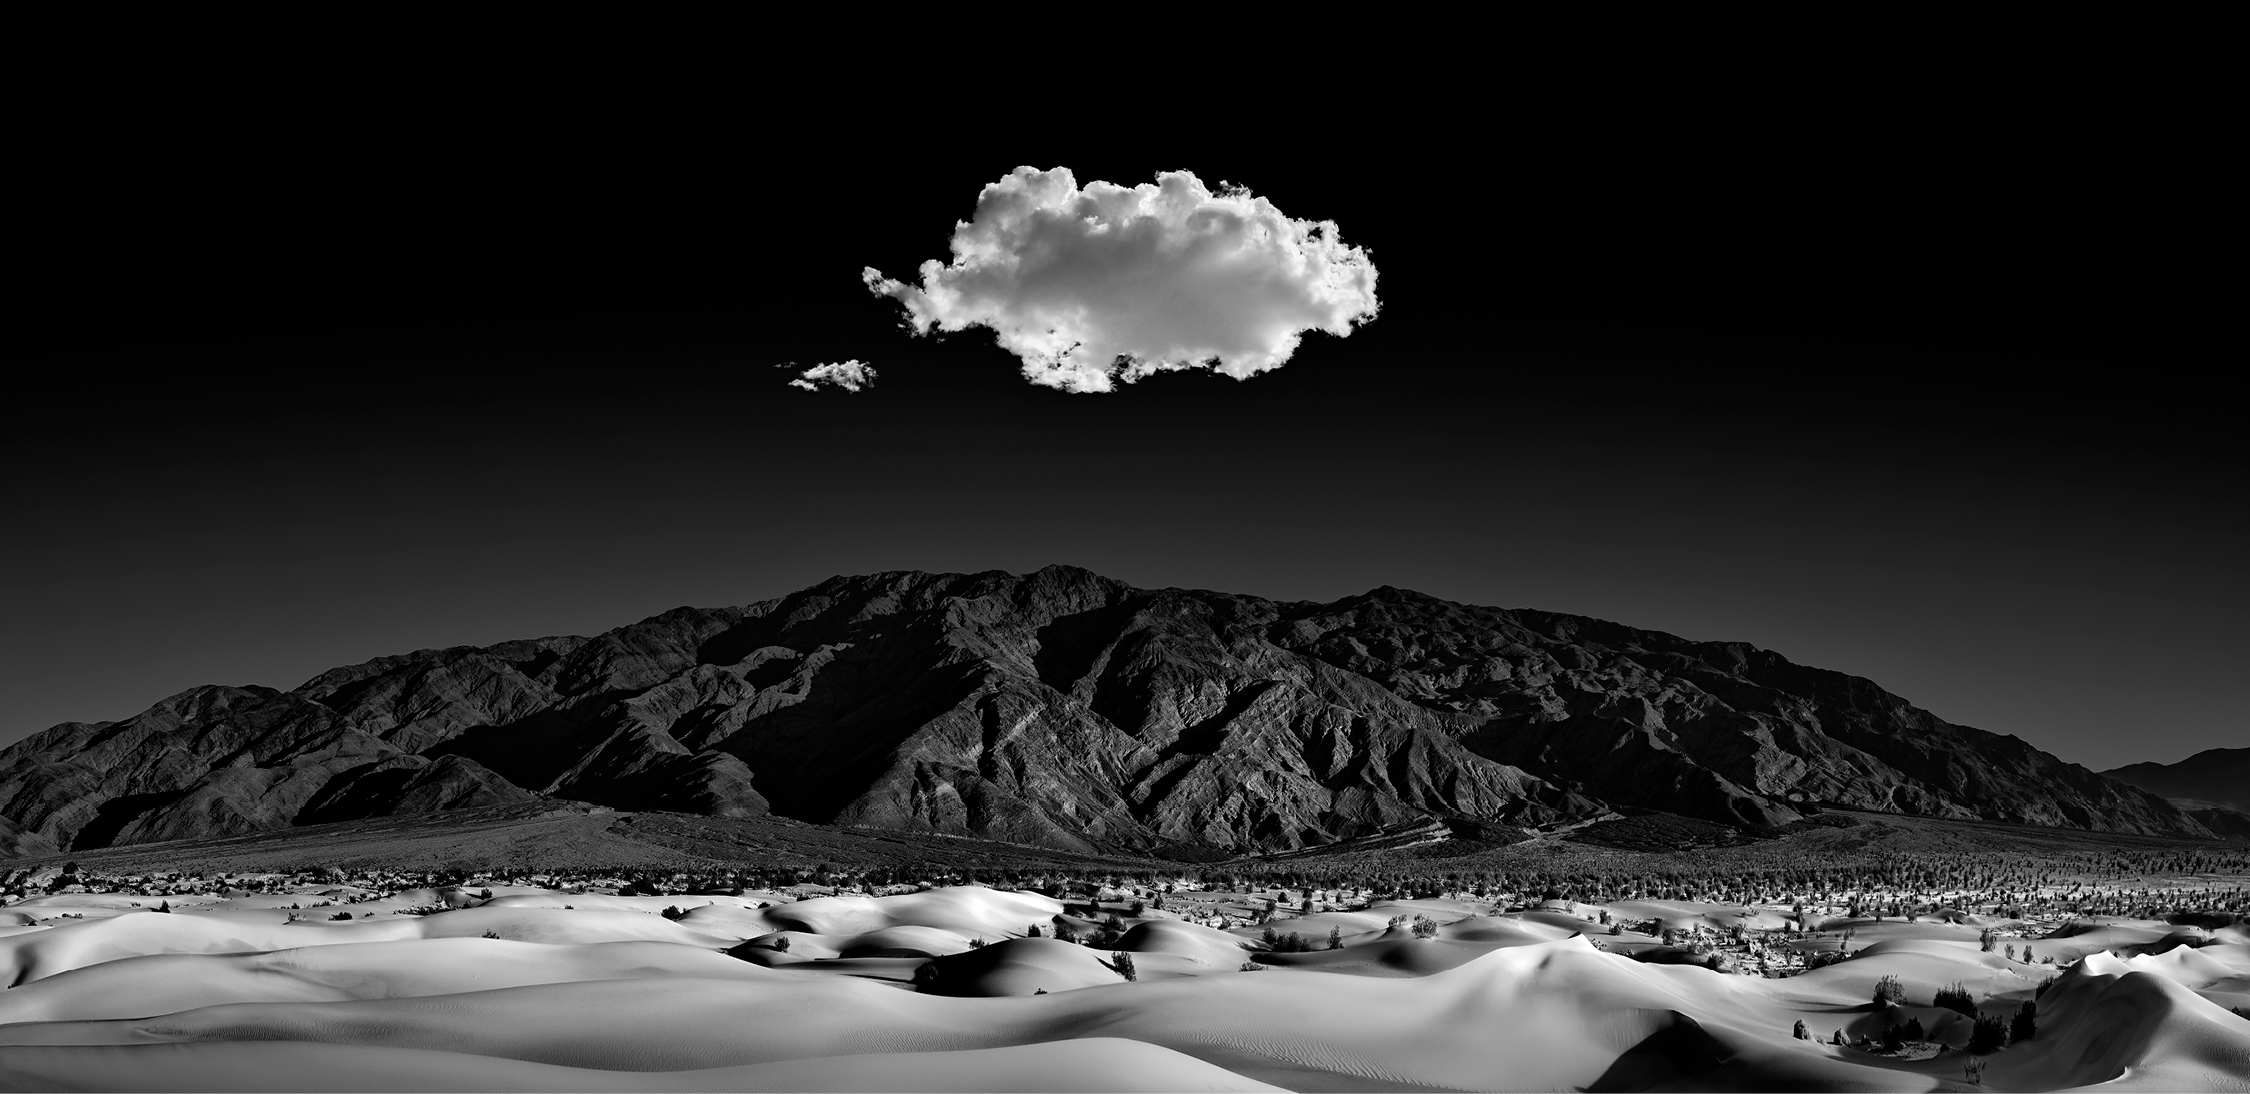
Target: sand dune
{"points": [[34, 955], [1086, 1064], [165, 983], [610, 995]]}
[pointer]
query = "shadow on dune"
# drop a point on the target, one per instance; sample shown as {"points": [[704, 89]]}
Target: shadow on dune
{"points": [[1681, 1050]]}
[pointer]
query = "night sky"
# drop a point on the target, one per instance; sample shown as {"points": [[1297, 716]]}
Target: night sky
{"points": [[1923, 389]]}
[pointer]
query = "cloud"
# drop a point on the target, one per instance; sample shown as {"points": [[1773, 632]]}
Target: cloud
{"points": [[1101, 285], [849, 375]]}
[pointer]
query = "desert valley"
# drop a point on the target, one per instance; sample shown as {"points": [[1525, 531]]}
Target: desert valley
{"points": [[1048, 831], [629, 980]]}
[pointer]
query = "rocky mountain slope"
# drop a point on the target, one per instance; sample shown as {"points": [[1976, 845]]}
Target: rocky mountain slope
{"points": [[1061, 709]]}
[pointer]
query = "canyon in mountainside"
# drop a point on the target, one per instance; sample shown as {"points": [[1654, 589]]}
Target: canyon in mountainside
{"points": [[1058, 709]]}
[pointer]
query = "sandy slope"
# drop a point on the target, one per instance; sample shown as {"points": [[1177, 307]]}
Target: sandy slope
{"points": [[613, 996], [34, 955], [164, 983], [1086, 1064]]}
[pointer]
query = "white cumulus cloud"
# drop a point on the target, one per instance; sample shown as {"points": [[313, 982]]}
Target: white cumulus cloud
{"points": [[849, 375], [1104, 284]]}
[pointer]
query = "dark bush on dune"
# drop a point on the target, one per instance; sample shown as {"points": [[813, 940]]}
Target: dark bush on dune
{"points": [[1957, 999], [1989, 1035], [2026, 1024], [1888, 990]]}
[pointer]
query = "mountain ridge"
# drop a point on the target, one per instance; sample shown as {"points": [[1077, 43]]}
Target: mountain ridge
{"points": [[1057, 708]]}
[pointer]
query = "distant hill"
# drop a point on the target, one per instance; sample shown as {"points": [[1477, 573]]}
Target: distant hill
{"points": [[2219, 776], [2212, 777], [1059, 709]]}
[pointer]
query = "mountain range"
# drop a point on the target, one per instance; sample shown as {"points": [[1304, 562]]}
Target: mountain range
{"points": [[1060, 709]]}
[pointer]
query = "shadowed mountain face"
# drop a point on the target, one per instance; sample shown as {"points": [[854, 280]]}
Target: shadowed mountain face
{"points": [[1057, 708]]}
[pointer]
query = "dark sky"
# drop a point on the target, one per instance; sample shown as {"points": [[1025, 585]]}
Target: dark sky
{"points": [[1923, 388]]}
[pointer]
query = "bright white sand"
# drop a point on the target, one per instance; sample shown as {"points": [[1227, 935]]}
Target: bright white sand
{"points": [[609, 995], [1086, 1064]]}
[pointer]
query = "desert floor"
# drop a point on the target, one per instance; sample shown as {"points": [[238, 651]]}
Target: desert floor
{"points": [[506, 987]]}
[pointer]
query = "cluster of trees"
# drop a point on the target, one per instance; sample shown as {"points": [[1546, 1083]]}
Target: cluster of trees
{"points": [[1988, 1033], [2091, 882]]}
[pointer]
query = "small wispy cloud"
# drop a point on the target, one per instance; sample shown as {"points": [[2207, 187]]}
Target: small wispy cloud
{"points": [[849, 375], [1104, 285]]}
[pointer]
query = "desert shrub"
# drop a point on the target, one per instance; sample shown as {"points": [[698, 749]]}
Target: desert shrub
{"points": [[165, 906], [674, 912], [1889, 990], [1251, 966], [1271, 937], [1894, 1038], [1973, 1070], [781, 943], [1335, 938], [925, 975], [492, 934], [1136, 908], [1124, 966], [1989, 1035], [341, 915], [2011, 951], [2026, 1023], [977, 943], [1033, 932], [1988, 939], [1956, 998], [1425, 927], [1914, 1030]]}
